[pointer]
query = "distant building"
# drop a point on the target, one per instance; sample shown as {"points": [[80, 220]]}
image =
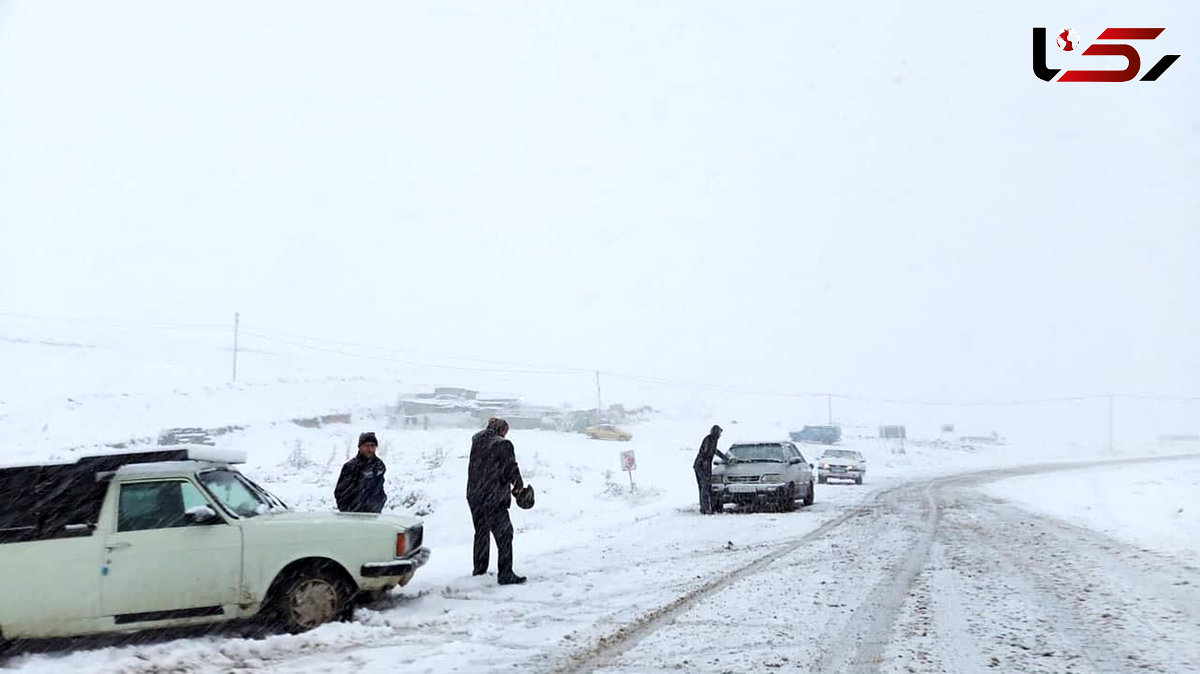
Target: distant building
{"points": [[453, 392], [454, 407], [185, 436], [503, 399]]}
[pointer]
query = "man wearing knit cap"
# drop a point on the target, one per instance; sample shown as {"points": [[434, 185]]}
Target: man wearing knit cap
{"points": [[360, 486]]}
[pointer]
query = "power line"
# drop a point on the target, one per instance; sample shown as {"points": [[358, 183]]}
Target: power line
{"points": [[646, 379], [898, 401], [518, 368], [120, 324], [1016, 403], [409, 363], [968, 403], [391, 349]]}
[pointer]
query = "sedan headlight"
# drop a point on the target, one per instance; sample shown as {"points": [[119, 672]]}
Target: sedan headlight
{"points": [[771, 477], [825, 466]]}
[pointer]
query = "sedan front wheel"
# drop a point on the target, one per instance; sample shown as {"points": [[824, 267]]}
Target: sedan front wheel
{"points": [[787, 500], [311, 599]]}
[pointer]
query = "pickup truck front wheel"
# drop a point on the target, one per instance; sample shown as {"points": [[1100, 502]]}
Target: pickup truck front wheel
{"points": [[311, 598]]}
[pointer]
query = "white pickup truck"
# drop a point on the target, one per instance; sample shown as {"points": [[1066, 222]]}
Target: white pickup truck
{"points": [[178, 537]]}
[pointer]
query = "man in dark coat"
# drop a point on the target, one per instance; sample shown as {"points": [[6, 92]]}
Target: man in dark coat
{"points": [[492, 477], [360, 486], [703, 468]]}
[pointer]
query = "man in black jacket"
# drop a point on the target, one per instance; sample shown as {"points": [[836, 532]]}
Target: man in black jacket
{"points": [[360, 486], [492, 477], [703, 468]]}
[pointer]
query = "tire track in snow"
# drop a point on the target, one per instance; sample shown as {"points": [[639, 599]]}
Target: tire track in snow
{"points": [[871, 628], [609, 647], [1107, 613], [869, 631]]}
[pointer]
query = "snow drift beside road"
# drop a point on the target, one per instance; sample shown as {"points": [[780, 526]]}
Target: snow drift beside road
{"points": [[1155, 506]]}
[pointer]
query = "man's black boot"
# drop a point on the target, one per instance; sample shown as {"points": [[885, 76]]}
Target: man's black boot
{"points": [[512, 579]]}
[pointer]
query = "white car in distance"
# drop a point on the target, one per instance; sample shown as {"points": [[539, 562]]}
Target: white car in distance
{"points": [[841, 464]]}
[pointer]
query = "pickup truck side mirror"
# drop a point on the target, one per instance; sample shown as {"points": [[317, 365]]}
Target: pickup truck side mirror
{"points": [[812, 466], [200, 514]]}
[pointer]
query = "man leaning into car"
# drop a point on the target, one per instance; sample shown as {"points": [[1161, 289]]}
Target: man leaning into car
{"points": [[703, 468]]}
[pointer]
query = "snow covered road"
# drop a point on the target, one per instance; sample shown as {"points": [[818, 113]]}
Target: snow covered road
{"points": [[930, 576]]}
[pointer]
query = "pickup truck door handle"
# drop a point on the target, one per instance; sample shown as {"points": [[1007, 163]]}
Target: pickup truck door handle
{"points": [[118, 546]]}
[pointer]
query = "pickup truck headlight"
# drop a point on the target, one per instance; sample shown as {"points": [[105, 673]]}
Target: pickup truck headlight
{"points": [[771, 477], [401, 544], [718, 479]]}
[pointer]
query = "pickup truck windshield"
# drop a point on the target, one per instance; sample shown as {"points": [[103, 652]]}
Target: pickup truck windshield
{"points": [[234, 493], [757, 452]]}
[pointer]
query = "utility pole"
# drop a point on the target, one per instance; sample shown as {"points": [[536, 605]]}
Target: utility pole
{"points": [[236, 320], [1110, 424], [599, 406], [829, 402]]}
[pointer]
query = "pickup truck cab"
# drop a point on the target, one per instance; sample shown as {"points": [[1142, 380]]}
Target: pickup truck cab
{"points": [[178, 537]]}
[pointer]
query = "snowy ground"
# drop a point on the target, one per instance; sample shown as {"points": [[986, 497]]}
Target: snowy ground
{"points": [[598, 553], [636, 580], [1153, 506], [925, 568]]}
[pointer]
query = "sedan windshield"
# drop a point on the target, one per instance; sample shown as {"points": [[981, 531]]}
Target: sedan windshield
{"points": [[236, 494], [839, 454], [756, 452]]}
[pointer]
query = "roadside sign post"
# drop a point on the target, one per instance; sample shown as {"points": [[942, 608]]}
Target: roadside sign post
{"points": [[893, 433], [629, 464]]}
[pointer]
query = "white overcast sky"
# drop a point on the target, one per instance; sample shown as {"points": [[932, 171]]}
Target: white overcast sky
{"points": [[876, 198]]}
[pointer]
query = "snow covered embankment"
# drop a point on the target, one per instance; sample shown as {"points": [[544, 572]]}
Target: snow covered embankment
{"points": [[1155, 506]]}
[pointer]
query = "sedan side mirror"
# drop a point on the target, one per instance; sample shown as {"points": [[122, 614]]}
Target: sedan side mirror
{"points": [[812, 466], [795, 459], [719, 462], [200, 514]]}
